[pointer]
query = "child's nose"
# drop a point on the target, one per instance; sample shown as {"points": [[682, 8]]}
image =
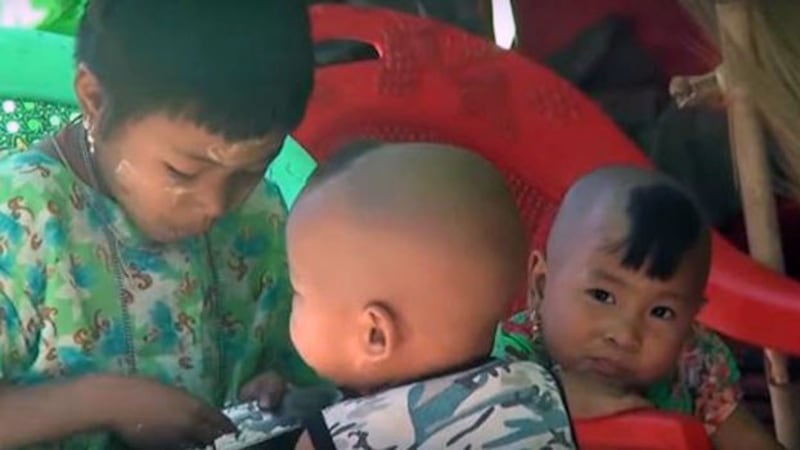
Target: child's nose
{"points": [[214, 202], [625, 336]]}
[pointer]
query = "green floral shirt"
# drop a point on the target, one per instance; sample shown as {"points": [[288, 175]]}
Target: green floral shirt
{"points": [[62, 294]]}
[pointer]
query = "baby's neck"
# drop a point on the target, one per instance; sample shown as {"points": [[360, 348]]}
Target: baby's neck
{"points": [[422, 375]]}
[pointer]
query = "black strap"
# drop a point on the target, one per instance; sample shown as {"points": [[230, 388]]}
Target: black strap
{"points": [[319, 433]]}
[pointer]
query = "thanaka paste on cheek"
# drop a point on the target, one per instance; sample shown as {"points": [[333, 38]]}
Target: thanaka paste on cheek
{"points": [[128, 176]]}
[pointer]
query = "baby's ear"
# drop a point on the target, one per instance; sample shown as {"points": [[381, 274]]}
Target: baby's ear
{"points": [[378, 332], [537, 277]]}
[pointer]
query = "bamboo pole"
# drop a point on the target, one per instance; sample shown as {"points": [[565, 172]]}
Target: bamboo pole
{"points": [[753, 172]]}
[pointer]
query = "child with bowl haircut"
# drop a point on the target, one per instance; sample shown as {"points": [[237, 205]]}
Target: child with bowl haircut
{"points": [[613, 304]]}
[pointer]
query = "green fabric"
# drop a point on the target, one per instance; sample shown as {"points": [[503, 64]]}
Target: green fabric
{"points": [[62, 16], [61, 306], [23, 122]]}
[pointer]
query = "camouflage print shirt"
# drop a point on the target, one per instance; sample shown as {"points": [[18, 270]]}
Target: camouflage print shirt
{"points": [[493, 405]]}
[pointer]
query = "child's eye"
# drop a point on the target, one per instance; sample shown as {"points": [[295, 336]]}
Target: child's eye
{"points": [[663, 313], [601, 296], [179, 175]]}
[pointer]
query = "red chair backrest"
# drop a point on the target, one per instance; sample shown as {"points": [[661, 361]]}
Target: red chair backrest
{"points": [[437, 83]]}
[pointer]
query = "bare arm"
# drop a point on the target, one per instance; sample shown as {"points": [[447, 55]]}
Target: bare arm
{"points": [[142, 412], [51, 411], [742, 431], [304, 443]]}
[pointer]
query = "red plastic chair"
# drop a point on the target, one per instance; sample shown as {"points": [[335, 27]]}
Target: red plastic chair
{"points": [[436, 83], [642, 430]]}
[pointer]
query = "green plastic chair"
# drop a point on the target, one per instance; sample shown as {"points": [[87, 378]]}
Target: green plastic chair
{"points": [[36, 99]]}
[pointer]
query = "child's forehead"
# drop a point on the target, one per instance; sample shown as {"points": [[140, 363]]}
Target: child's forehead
{"points": [[597, 236], [608, 267]]}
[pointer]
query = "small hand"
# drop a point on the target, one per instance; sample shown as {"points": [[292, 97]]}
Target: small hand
{"points": [[149, 415], [266, 389]]}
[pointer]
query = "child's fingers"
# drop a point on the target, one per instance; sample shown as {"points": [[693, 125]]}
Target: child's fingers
{"points": [[267, 390], [249, 391], [271, 393]]}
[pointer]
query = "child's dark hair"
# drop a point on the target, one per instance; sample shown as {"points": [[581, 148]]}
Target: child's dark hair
{"points": [[665, 222], [241, 69]]}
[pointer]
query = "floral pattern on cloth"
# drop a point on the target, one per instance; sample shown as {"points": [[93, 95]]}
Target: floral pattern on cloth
{"points": [[705, 383], [496, 405], [61, 303], [24, 121]]}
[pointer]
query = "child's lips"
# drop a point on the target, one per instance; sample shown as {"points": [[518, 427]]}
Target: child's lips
{"points": [[606, 367]]}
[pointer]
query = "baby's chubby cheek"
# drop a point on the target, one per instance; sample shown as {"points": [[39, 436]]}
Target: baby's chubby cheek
{"points": [[657, 362]]}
